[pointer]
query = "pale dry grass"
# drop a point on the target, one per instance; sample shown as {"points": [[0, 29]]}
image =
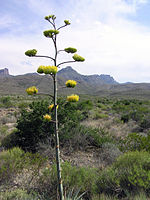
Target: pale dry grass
{"points": [[112, 125]]}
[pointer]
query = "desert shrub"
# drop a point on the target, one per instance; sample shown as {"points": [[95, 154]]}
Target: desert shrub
{"points": [[23, 105], [73, 177], [109, 153], [85, 105], [14, 160], [6, 101], [32, 128], [18, 194], [129, 174], [99, 115], [102, 106], [145, 122], [98, 136], [104, 197], [125, 118], [80, 137], [135, 141]]}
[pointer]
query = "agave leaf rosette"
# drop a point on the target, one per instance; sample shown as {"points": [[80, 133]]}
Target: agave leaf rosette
{"points": [[47, 117], [71, 83], [32, 90], [73, 98]]}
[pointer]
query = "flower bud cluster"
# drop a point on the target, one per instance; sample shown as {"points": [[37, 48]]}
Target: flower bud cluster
{"points": [[78, 58], [47, 117], [73, 98], [32, 90], [51, 107], [66, 22], [47, 69], [71, 83], [50, 33], [70, 50], [31, 52], [50, 17]]}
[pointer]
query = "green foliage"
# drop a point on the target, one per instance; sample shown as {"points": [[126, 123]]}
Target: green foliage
{"points": [[78, 58], [136, 110], [14, 160], [17, 194], [129, 174], [70, 50], [135, 141], [74, 195], [80, 137], [6, 101], [66, 22], [73, 177], [31, 126], [99, 115], [50, 17], [31, 52], [50, 33]]}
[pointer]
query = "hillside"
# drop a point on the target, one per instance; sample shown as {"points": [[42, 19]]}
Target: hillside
{"points": [[99, 85]]}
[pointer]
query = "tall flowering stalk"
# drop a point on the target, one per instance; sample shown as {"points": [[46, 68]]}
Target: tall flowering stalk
{"points": [[52, 71]]}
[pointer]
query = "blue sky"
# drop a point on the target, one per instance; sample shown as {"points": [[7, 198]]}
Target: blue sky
{"points": [[112, 35]]}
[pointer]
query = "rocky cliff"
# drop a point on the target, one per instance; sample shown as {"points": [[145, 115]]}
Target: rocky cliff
{"points": [[4, 72]]}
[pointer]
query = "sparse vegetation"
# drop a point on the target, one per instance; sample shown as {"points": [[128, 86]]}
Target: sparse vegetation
{"points": [[110, 154]]}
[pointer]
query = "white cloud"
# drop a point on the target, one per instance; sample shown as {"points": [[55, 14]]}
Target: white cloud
{"points": [[110, 42], [6, 21]]}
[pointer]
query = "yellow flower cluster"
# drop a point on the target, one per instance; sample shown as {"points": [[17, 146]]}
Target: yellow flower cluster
{"points": [[50, 107], [78, 58], [47, 69], [31, 52], [73, 98], [50, 33], [32, 90], [71, 83], [47, 118]]}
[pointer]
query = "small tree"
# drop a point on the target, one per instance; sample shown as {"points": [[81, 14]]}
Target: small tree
{"points": [[52, 71]]}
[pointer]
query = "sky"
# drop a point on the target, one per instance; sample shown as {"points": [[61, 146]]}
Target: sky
{"points": [[112, 35]]}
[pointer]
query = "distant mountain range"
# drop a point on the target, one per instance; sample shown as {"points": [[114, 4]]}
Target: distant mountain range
{"points": [[99, 85]]}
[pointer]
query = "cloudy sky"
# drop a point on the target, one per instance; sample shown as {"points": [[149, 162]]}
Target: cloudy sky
{"points": [[112, 35]]}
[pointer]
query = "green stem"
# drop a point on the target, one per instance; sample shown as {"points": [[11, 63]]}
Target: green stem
{"points": [[60, 185], [57, 142]]}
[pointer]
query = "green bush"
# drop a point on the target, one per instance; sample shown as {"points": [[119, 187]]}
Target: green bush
{"points": [[14, 160], [17, 194], [129, 174], [6, 101], [80, 137], [99, 115], [32, 128], [135, 141], [73, 178]]}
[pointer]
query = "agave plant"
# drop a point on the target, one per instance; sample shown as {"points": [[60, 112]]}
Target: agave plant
{"points": [[74, 195]]}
